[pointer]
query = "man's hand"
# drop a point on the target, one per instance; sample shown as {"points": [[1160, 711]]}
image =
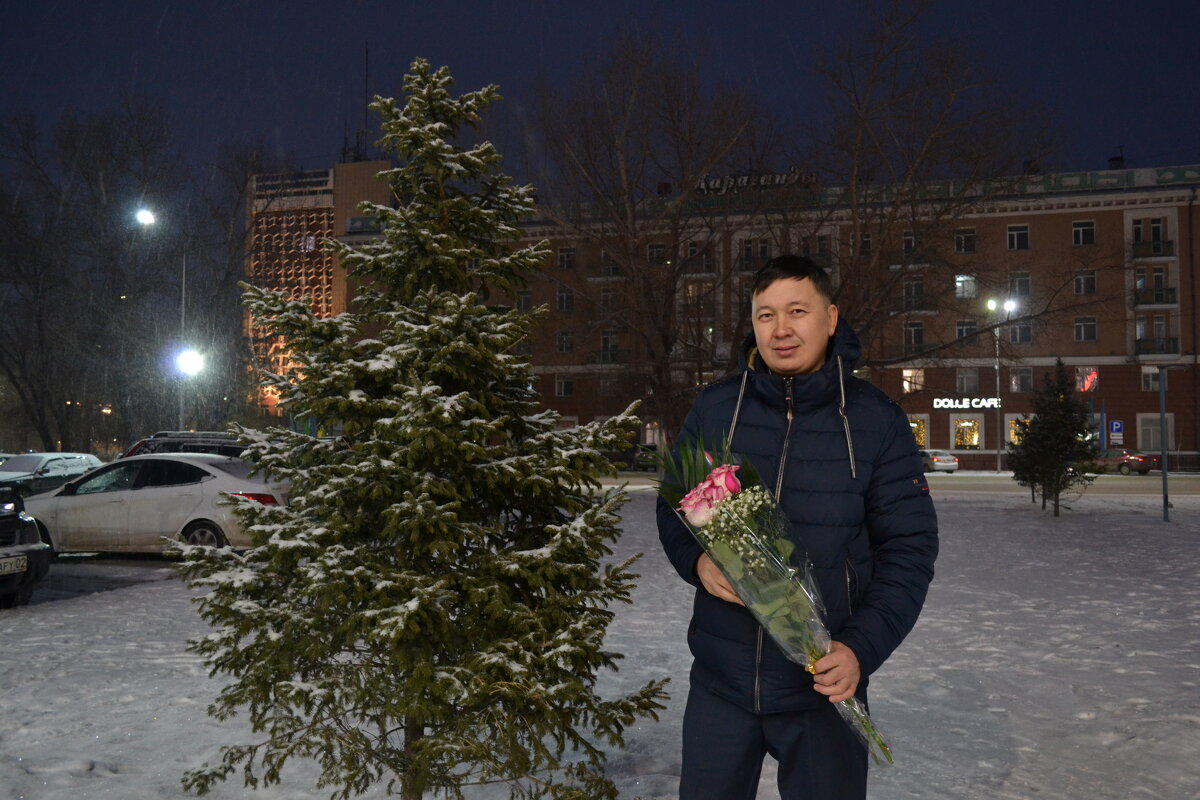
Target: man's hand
{"points": [[836, 674], [714, 581]]}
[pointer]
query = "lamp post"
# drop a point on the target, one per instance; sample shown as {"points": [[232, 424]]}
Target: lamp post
{"points": [[1009, 306], [146, 217]]}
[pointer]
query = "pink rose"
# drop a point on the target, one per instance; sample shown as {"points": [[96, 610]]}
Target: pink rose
{"points": [[700, 503]]}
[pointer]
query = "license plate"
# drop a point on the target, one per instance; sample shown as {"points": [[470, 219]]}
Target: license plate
{"points": [[10, 566]]}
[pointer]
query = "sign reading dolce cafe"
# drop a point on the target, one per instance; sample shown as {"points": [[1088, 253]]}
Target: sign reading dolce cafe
{"points": [[966, 402]]}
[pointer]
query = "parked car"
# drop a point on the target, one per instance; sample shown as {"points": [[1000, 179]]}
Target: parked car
{"points": [[132, 503], [34, 473], [642, 458], [24, 557], [225, 444], [1126, 461], [5, 457], [938, 461]]}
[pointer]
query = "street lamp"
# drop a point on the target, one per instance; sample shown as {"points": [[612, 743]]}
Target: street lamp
{"points": [[189, 362], [146, 217], [1009, 306]]}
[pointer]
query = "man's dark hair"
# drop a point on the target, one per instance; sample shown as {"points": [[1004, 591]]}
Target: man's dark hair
{"points": [[797, 267]]}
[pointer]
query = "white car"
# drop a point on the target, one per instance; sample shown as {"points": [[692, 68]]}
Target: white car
{"points": [[130, 504]]}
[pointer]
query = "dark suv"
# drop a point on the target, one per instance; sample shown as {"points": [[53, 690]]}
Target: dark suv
{"points": [[24, 557], [219, 442]]}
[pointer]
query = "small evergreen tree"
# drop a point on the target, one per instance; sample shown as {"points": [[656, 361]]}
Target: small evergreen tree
{"points": [[430, 608], [1054, 448]]}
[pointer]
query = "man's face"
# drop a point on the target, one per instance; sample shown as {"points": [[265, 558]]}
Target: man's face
{"points": [[792, 326]]}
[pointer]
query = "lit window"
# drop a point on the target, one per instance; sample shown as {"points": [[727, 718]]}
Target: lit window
{"points": [[1150, 378], [912, 380], [967, 434], [919, 429], [965, 286]]}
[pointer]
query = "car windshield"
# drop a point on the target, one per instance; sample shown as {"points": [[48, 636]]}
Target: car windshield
{"points": [[22, 463]]}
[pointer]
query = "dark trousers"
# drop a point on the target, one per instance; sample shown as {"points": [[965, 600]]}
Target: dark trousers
{"points": [[724, 745]]}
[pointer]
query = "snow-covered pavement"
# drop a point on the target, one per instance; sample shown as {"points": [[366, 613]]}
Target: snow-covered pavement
{"points": [[1057, 658]]}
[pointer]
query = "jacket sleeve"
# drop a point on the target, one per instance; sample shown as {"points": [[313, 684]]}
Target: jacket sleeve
{"points": [[677, 541], [902, 526]]}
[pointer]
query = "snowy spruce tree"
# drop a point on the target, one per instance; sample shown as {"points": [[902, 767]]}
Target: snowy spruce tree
{"points": [[429, 611]]}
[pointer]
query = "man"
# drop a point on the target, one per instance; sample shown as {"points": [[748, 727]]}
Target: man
{"points": [[842, 462]]}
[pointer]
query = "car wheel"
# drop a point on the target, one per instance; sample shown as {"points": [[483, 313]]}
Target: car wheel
{"points": [[1124, 469], [204, 533]]}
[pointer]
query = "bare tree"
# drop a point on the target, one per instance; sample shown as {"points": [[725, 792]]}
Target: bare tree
{"points": [[625, 153]]}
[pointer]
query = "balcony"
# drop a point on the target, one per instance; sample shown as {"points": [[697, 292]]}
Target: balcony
{"points": [[1159, 346], [1161, 249], [1156, 297]]}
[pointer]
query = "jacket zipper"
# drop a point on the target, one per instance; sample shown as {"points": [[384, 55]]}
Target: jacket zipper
{"points": [[787, 385]]}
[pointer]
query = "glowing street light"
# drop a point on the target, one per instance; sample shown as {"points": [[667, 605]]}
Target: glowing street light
{"points": [[145, 216], [189, 362]]}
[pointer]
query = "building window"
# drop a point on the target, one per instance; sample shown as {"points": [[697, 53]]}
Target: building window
{"points": [[566, 342], [865, 248], [964, 240], [524, 300], [967, 432], [1083, 233], [965, 287], [912, 241], [1085, 281], [1087, 379], [1019, 284], [1085, 329], [912, 379], [914, 336], [566, 298], [1150, 376], [608, 298], [1014, 434], [1020, 379], [563, 386], [609, 348], [1149, 229], [920, 429], [656, 253], [566, 258], [966, 380], [608, 267], [914, 293], [1018, 237], [1149, 433], [1020, 332], [965, 328], [705, 255]]}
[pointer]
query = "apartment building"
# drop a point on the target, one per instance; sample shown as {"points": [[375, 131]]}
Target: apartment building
{"points": [[963, 321]]}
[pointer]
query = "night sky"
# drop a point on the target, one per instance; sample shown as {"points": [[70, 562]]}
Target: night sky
{"points": [[292, 73]]}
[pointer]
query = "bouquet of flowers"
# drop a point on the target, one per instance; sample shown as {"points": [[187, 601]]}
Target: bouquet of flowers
{"points": [[744, 532]]}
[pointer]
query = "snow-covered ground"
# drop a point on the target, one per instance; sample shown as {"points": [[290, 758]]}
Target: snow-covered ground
{"points": [[1056, 658]]}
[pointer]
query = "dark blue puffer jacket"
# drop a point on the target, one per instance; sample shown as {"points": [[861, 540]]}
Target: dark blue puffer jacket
{"points": [[855, 495]]}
